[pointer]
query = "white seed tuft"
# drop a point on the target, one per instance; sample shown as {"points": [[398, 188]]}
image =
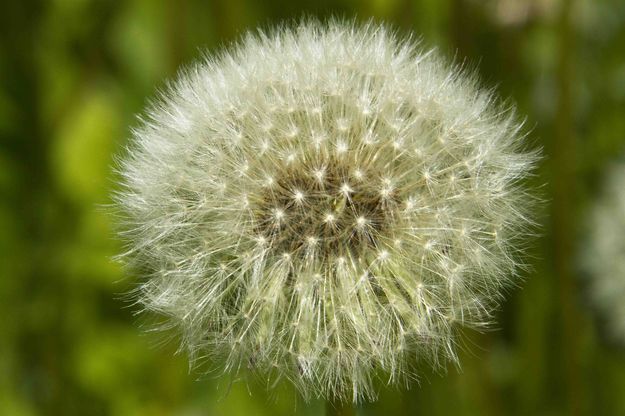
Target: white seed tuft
{"points": [[373, 206], [603, 254]]}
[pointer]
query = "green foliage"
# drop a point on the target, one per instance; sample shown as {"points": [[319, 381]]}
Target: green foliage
{"points": [[73, 74]]}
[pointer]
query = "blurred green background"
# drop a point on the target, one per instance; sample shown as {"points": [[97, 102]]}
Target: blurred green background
{"points": [[73, 75]]}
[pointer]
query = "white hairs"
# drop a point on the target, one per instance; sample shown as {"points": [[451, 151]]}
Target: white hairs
{"points": [[327, 204]]}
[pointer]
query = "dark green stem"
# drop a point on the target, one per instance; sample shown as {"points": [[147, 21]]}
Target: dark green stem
{"points": [[339, 408], [565, 199]]}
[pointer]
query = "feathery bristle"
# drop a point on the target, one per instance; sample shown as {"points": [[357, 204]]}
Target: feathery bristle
{"points": [[325, 204]]}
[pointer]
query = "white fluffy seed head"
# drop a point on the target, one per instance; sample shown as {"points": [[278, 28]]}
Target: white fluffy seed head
{"points": [[603, 254], [325, 204]]}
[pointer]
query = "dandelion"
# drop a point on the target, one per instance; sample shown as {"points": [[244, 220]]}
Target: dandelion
{"points": [[326, 204], [603, 257]]}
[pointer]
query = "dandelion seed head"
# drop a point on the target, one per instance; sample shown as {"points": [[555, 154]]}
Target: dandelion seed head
{"points": [[603, 253], [318, 203]]}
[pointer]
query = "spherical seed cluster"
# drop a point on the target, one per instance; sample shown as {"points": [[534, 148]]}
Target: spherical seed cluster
{"points": [[324, 204], [603, 255]]}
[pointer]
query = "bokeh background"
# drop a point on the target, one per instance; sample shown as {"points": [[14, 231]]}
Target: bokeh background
{"points": [[73, 74]]}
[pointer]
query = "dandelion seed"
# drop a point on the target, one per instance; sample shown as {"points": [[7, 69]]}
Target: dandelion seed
{"points": [[361, 222], [342, 232], [298, 196], [279, 214], [346, 189]]}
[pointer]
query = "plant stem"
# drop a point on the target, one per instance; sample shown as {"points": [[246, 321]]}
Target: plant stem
{"points": [[565, 160], [339, 408]]}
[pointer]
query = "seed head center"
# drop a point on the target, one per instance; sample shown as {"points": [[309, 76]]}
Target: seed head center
{"points": [[333, 214]]}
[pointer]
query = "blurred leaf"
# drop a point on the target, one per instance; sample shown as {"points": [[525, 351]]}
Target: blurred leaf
{"points": [[83, 147]]}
